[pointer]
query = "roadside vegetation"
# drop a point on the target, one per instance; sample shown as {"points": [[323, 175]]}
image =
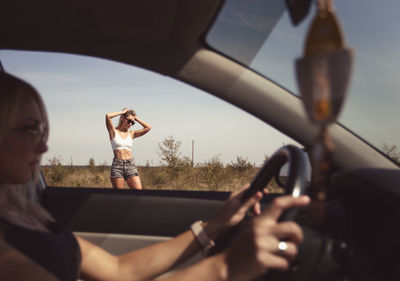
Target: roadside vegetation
{"points": [[392, 151], [176, 172]]}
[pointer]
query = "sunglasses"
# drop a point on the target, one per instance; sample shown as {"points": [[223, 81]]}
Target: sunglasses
{"points": [[39, 133], [130, 122]]}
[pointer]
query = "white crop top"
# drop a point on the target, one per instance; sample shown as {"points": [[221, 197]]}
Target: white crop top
{"points": [[121, 143]]}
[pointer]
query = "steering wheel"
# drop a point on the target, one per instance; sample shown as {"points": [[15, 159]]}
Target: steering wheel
{"points": [[295, 185], [316, 250], [316, 254], [296, 181]]}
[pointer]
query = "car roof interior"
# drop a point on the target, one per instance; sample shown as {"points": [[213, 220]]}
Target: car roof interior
{"points": [[167, 37], [156, 35]]}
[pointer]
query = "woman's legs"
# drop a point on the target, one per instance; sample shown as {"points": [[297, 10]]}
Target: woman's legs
{"points": [[134, 183], [121, 169], [118, 183], [117, 174]]}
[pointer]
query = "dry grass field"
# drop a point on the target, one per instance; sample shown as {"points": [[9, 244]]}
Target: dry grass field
{"points": [[176, 173], [212, 175]]}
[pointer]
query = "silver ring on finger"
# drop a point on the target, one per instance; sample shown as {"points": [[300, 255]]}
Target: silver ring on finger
{"points": [[282, 247]]}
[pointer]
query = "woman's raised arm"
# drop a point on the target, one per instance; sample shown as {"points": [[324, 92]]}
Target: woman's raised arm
{"points": [[141, 132], [109, 124]]}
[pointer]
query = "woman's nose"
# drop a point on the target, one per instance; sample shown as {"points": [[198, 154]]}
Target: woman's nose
{"points": [[42, 147]]}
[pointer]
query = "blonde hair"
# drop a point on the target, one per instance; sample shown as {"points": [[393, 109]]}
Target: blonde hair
{"points": [[129, 112], [15, 196]]}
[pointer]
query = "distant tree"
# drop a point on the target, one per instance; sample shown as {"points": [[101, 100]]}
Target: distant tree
{"points": [[392, 151], [169, 151], [170, 155], [91, 164]]}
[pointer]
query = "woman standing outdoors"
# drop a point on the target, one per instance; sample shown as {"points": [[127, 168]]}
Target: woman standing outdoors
{"points": [[123, 167]]}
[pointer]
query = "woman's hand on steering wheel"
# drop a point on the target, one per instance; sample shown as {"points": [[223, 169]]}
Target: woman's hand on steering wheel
{"points": [[233, 212], [258, 247]]}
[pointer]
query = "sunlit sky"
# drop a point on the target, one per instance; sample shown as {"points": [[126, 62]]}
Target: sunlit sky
{"points": [[79, 91]]}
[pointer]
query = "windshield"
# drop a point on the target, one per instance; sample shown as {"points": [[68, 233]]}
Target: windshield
{"points": [[266, 41]]}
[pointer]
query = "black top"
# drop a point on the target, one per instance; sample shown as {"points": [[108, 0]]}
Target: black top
{"points": [[57, 251]]}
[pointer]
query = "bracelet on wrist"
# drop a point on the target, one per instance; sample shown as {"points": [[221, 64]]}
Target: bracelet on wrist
{"points": [[201, 236]]}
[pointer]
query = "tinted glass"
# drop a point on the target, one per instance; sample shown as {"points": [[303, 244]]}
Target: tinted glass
{"points": [[265, 40]]}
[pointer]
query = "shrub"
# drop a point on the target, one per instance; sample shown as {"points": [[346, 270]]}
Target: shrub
{"points": [[152, 177], [103, 167], [392, 151], [91, 165], [56, 173], [241, 165], [169, 152], [213, 172]]}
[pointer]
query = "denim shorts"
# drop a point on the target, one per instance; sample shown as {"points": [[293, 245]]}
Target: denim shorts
{"points": [[122, 168]]}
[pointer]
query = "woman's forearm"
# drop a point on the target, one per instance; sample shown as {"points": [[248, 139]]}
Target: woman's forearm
{"points": [[254, 251], [152, 261], [114, 114], [141, 264], [144, 124], [146, 128], [212, 269]]}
